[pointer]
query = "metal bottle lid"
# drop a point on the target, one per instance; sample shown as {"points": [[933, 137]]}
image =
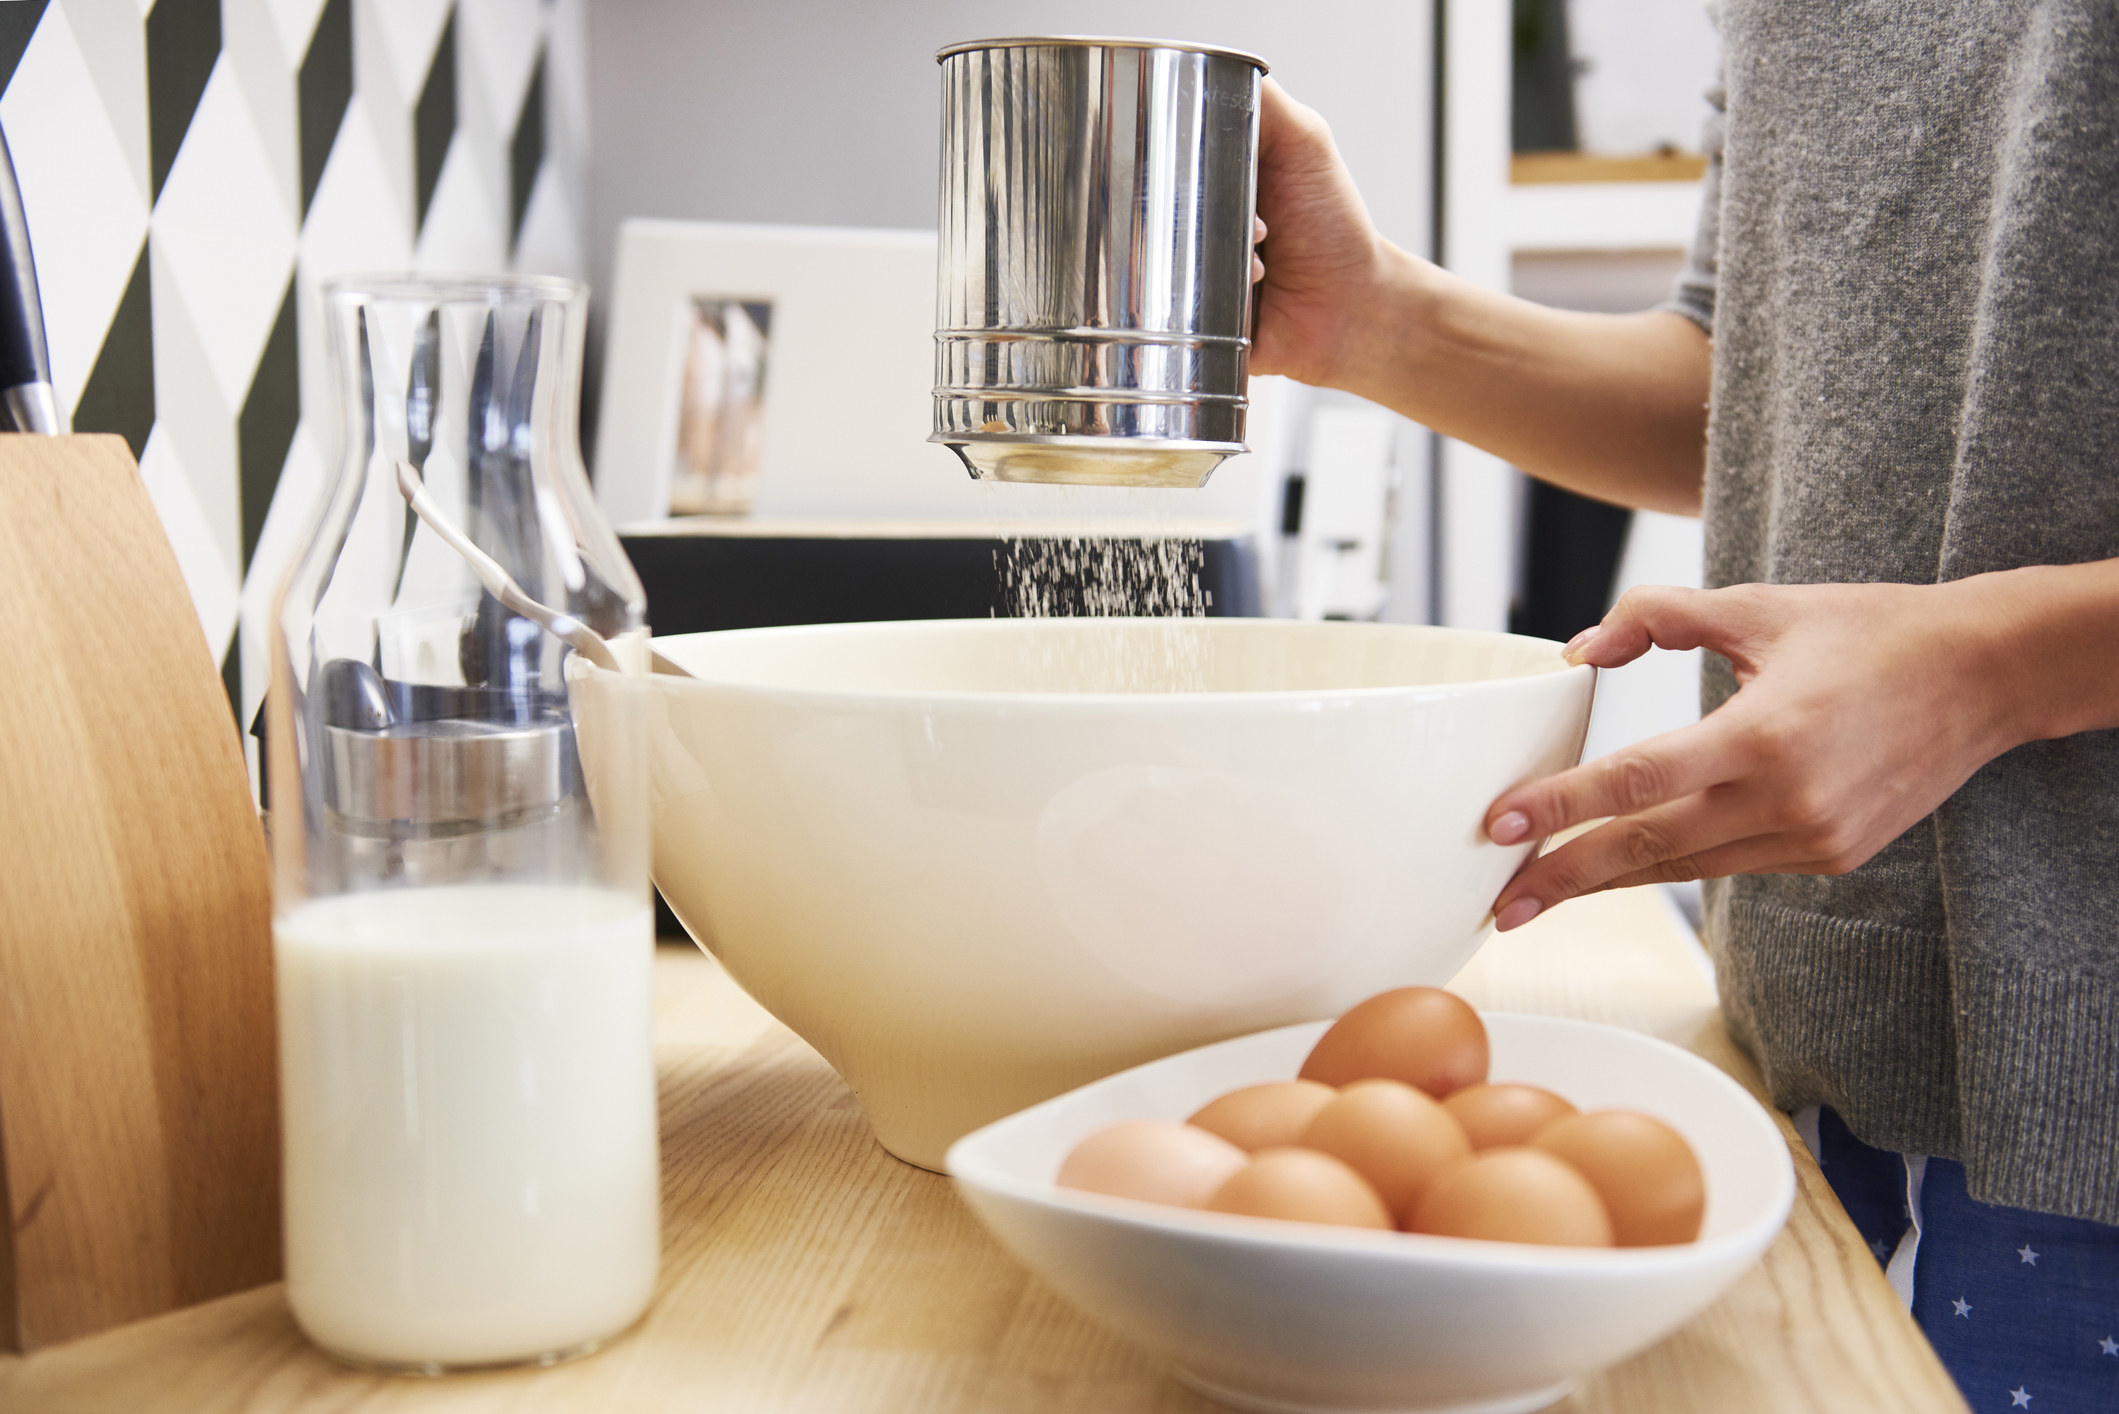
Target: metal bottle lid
{"points": [[443, 775]]}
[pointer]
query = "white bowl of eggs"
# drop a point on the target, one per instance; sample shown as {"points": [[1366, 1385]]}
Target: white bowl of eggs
{"points": [[978, 863], [1279, 1278]]}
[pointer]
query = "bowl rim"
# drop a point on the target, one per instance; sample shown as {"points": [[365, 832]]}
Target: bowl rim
{"points": [[974, 1174], [1300, 698]]}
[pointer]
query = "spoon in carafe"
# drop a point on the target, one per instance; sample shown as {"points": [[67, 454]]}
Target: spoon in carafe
{"points": [[502, 586]]}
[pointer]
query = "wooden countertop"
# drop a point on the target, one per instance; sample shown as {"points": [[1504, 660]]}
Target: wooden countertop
{"points": [[806, 1270]]}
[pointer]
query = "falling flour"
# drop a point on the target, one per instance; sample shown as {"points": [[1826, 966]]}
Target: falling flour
{"points": [[1104, 577], [1109, 577]]}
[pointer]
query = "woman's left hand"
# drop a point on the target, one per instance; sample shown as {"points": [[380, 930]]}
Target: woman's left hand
{"points": [[1860, 708]]}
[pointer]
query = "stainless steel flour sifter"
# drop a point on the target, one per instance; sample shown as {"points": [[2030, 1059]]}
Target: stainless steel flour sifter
{"points": [[1094, 288]]}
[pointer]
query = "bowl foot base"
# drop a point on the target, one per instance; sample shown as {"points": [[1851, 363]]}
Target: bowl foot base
{"points": [[1268, 1404]]}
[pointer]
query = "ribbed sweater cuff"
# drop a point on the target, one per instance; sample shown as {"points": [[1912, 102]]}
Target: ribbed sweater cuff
{"points": [[1846, 1013], [2010, 1068], [2040, 1088]]}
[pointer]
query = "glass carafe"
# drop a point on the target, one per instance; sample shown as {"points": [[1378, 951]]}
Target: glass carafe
{"points": [[462, 923]]}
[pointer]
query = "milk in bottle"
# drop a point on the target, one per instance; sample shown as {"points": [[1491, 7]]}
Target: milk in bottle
{"points": [[469, 1120]]}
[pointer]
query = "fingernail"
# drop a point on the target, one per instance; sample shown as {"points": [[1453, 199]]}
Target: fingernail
{"points": [[1512, 828], [1579, 642], [1516, 914]]}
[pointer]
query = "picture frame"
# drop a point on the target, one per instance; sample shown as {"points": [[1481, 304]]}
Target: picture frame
{"points": [[850, 348], [846, 404]]}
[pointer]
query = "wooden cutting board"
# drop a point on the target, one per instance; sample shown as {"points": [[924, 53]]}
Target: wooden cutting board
{"points": [[139, 1139]]}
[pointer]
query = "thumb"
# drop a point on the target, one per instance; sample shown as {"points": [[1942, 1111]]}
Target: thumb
{"points": [[1290, 134], [1666, 616], [1278, 114]]}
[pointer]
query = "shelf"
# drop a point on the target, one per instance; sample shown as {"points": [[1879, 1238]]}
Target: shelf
{"points": [[1542, 168]]}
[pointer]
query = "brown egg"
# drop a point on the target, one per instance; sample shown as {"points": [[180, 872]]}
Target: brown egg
{"points": [[1264, 1116], [1642, 1168], [1497, 1116], [1153, 1160], [1304, 1186], [1390, 1134], [1424, 1036], [1513, 1195]]}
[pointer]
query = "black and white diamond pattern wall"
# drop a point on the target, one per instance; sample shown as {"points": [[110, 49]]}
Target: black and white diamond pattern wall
{"points": [[194, 170]]}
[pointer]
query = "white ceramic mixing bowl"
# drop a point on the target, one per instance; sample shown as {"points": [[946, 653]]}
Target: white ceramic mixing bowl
{"points": [[977, 863], [1286, 1317]]}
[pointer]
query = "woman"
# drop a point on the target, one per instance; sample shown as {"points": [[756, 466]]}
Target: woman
{"points": [[1890, 377]]}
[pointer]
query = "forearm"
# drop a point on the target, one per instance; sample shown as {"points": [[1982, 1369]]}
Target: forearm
{"points": [[1611, 406], [2050, 647]]}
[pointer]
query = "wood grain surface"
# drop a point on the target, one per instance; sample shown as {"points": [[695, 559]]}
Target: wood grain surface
{"points": [[805, 1270], [138, 1102]]}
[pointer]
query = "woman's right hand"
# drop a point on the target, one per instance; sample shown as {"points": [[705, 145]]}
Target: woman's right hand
{"points": [[1323, 258]]}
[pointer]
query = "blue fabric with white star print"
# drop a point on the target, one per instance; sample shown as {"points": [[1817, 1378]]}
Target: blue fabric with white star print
{"points": [[1870, 1184], [2022, 1307]]}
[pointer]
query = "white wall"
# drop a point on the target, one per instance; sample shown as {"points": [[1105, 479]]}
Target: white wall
{"points": [[827, 112]]}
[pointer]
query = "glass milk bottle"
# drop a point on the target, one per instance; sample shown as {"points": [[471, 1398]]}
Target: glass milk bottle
{"points": [[462, 924]]}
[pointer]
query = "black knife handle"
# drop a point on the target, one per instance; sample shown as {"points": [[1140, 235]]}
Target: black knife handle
{"points": [[23, 358]]}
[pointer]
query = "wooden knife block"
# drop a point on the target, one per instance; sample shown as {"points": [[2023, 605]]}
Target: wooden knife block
{"points": [[139, 1112]]}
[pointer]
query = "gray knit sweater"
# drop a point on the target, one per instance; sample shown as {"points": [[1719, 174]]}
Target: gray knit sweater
{"points": [[1909, 264]]}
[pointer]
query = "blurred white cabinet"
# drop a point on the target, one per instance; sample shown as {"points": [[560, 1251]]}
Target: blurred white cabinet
{"points": [[1488, 220], [1346, 513]]}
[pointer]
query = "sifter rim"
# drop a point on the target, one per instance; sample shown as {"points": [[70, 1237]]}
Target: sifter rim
{"points": [[1095, 41]]}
